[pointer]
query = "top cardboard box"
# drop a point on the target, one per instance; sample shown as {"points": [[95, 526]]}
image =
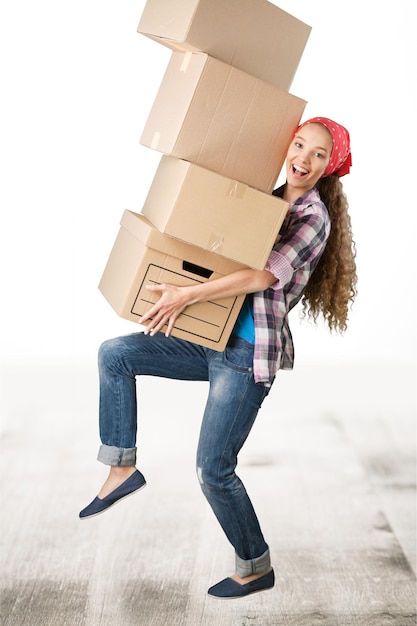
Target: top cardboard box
{"points": [[225, 120], [252, 35]]}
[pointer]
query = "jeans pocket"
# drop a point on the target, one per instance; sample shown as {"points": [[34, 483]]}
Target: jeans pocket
{"points": [[238, 355]]}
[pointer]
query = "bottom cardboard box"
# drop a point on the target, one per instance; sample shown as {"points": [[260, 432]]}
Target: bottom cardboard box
{"points": [[141, 255]]}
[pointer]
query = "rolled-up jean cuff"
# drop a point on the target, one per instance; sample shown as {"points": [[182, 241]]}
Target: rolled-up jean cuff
{"points": [[253, 566], [121, 457]]}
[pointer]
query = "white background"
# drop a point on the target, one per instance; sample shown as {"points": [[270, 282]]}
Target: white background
{"points": [[77, 84]]}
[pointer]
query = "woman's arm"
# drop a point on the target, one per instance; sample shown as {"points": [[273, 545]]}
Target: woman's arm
{"points": [[303, 238], [174, 300]]}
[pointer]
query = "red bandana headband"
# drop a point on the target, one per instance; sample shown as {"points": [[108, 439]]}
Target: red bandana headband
{"points": [[340, 158]]}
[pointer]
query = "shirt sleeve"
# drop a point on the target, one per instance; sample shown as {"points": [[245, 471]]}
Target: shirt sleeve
{"points": [[302, 240]]}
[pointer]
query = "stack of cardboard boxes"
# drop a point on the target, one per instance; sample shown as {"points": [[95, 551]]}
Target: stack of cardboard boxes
{"points": [[223, 119]]}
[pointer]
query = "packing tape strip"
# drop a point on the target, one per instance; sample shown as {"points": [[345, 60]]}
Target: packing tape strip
{"points": [[217, 242], [236, 189], [155, 140], [185, 62]]}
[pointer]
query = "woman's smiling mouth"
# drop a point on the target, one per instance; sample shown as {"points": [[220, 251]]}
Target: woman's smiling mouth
{"points": [[299, 171]]}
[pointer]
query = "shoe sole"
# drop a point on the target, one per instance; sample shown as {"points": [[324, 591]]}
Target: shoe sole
{"points": [[239, 597]]}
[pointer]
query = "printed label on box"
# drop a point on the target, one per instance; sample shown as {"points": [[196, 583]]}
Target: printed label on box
{"points": [[206, 320]]}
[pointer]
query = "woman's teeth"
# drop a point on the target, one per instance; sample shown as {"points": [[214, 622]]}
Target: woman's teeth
{"points": [[300, 170]]}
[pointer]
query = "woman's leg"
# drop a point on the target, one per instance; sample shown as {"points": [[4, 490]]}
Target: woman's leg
{"points": [[120, 360], [233, 403]]}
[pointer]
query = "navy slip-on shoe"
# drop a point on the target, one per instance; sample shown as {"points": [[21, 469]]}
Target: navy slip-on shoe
{"points": [[132, 484], [229, 588]]}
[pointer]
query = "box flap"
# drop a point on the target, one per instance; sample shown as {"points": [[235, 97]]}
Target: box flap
{"points": [[143, 230]]}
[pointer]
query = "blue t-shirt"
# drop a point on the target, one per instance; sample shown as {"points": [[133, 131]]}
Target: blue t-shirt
{"points": [[245, 325]]}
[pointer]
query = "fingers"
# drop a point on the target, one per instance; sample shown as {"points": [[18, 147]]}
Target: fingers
{"points": [[150, 314], [157, 323], [154, 326], [170, 326], [163, 313], [154, 322]]}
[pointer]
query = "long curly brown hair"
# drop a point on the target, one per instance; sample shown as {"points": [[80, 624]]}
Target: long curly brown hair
{"points": [[331, 289]]}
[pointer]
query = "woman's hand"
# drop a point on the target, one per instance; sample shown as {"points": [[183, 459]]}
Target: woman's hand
{"points": [[174, 300], [171, 303]]}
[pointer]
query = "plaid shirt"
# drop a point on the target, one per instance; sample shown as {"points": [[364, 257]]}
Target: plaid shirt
{"points": [[295, 254]]}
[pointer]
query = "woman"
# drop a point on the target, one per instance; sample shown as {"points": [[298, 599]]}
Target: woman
{"points": [[315, 237]]}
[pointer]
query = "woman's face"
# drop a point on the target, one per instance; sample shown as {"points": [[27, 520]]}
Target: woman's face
{"points": [[308, 157]]}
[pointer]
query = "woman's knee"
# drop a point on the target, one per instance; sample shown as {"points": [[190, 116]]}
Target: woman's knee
{"points": [[214, 473], [106, 350], [110, 353], [209, 486]]}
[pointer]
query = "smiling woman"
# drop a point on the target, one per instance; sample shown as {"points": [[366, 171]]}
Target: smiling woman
{"points": [[259, 346], [320, 155], [314, 154], [307, 159]]}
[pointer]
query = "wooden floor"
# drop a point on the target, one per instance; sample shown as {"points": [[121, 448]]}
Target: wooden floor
{"points": [[332, 477]]}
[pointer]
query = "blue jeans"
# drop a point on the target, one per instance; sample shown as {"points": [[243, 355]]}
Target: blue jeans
{"points": [[233, 403]]}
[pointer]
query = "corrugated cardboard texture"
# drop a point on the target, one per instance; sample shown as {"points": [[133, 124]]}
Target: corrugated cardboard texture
{"points": [[216, 213], [222, 119], [141, 255], [252, 35]]}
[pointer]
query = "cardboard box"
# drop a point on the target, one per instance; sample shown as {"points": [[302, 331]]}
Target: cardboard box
{"points": [[141, 255], [227, 121], [213, 212], [252, 35]]}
